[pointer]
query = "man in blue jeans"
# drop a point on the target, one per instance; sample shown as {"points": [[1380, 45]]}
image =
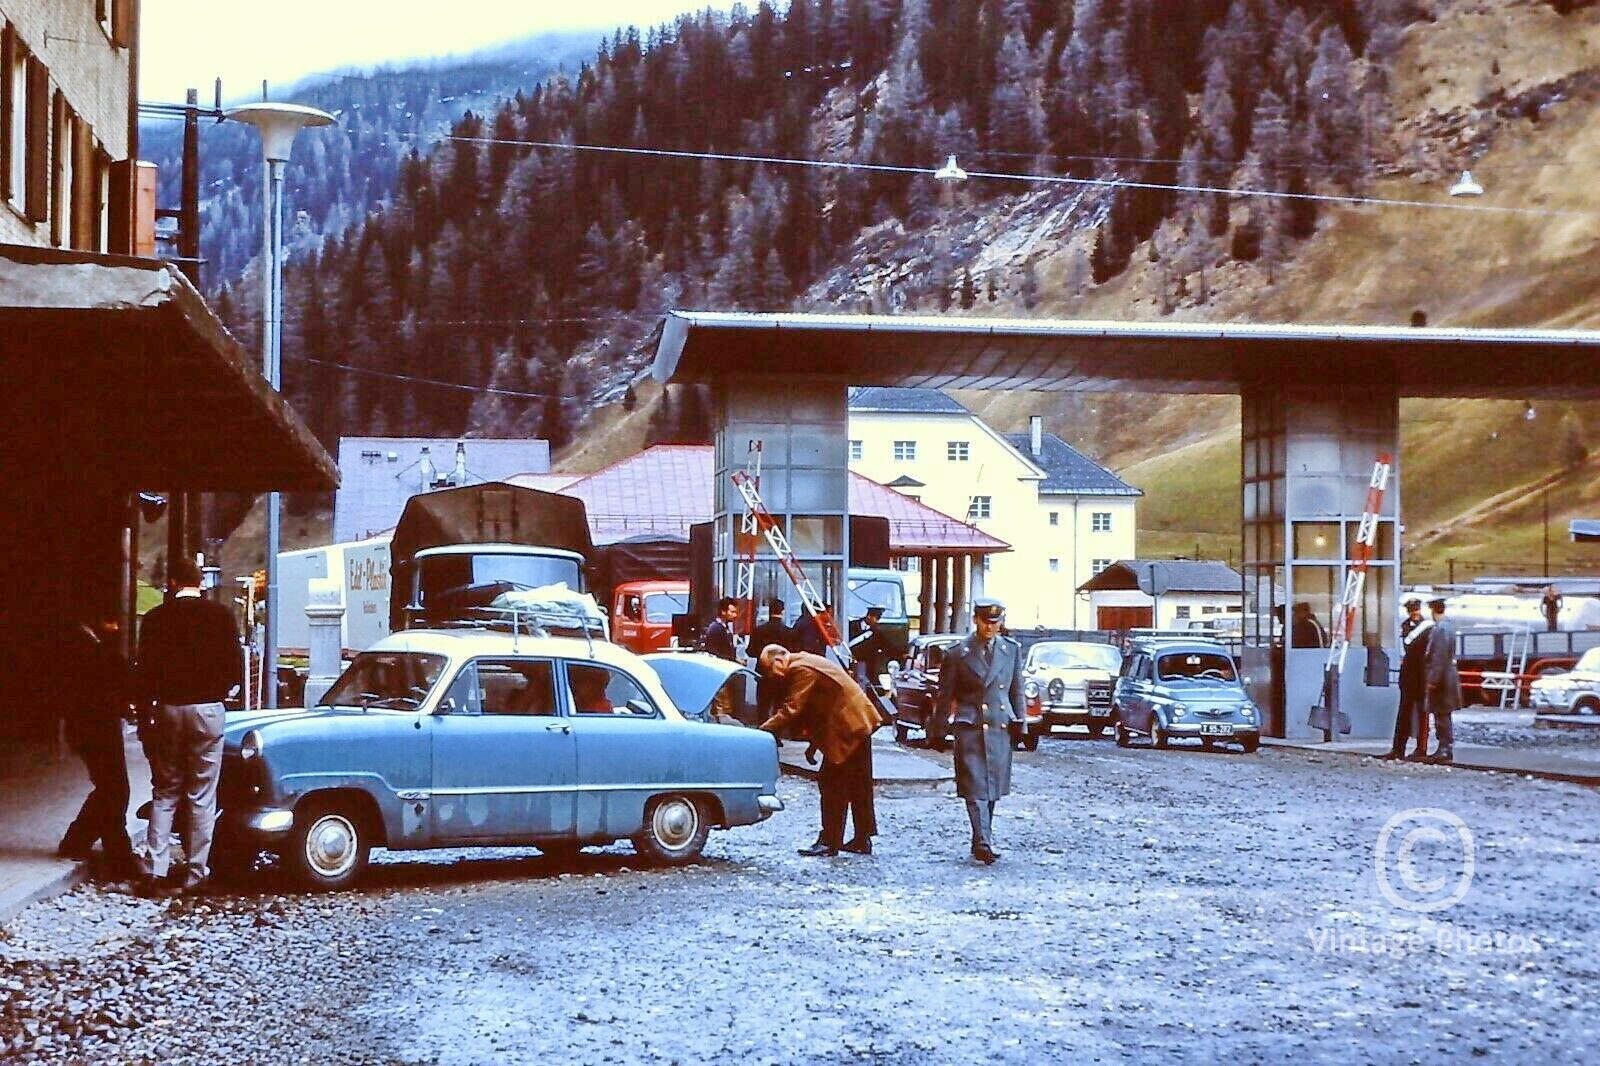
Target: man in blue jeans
{"points": [[189, 661]]}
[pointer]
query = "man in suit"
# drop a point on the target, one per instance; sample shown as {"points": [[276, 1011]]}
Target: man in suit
{"points": [[1443, 683], [718, 638], [980, 692], [94, 717], [1410, 721], [773, 631], [820, 698]]}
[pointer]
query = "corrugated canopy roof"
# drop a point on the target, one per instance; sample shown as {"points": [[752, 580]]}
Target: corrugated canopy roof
{"points": [[116, 368], [1181, 357], [667, 488], [1178, 575], [1067, 470]]}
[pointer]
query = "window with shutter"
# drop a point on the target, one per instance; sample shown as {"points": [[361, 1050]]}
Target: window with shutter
{"points": [[37, 135], [13, 85]]}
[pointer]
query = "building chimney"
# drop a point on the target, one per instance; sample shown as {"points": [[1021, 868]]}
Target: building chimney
{"points": [[459, 475], [426, 465], [1036, 434]]}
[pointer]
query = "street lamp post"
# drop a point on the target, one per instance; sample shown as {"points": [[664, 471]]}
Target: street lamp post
{"points": [[278, 125]]}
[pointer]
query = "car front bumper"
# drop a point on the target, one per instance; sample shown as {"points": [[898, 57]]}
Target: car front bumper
{"points": [[1076, 714], [768, 806], [1198, 730]]}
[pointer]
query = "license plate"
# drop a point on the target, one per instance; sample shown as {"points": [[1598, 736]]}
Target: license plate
{"points": [[1216, 729], [1100, 712]]}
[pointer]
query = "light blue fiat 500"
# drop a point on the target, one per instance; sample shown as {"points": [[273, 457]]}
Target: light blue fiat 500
{"points": [[470, 737]]}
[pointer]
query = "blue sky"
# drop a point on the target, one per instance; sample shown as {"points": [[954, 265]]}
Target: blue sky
{"points": [[189, 43]]}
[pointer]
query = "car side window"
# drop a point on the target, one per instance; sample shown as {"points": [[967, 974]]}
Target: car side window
{"points": [[600, 689], [464, 695], [517, 686]]}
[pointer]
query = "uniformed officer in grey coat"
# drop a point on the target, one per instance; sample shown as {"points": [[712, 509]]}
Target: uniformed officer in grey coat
{"points": [[980, 695], [1443, 694]]}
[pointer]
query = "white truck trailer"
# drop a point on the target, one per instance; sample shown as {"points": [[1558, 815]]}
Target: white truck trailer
{"points": [[362, 566]]}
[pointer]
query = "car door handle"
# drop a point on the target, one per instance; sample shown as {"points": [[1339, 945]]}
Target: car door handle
{"points": [[558, 727]]}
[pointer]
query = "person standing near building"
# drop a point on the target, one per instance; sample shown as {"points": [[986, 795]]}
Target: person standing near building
{"points": [[1551, 606], [189, 662], [826, 703], [1411, 721], [867, 647], [1443, 691], [1305, 630], [718, 637], [773, 631], [94, 716], [980, 692]]}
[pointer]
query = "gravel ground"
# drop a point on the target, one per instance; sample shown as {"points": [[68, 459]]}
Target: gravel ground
{"points": [[1175, 905]]}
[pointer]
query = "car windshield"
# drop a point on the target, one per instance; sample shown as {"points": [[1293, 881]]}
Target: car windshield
{"points": [[1052, 656], [1196, 665], [877, 592], [659, 607], [396, 680], [1590, 661]]}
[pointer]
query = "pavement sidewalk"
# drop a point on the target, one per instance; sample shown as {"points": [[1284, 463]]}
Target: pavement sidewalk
{"points": [[42, 784], [891, 763], [1579, 766]]}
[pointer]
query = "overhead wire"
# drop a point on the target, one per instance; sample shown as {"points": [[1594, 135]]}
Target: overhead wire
{"points": [[1047, 179]]}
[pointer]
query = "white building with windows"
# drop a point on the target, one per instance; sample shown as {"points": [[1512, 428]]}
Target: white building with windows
{"points": [[1065, 516]]}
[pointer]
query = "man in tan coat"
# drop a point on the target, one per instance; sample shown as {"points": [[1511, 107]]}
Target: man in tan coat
{"points": [[823, 701]]}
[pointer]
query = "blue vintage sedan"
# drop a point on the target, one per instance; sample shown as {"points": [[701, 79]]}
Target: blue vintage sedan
{"points": [[1171, 689], [471, 737]]}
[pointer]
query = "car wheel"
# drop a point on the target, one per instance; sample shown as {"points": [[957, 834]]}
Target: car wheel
{"points": [[328, 847], [1250, 744], [1158, 736], [1587, 705], [1120, 731], [675, 830], [1030, 742]]}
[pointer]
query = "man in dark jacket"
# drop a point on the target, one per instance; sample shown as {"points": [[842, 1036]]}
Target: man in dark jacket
{"points": [[189, 661], [980, 692], [1411, 721], [718, 638], [1442, 682], [821, 699], [96, 709], [772, 631]]}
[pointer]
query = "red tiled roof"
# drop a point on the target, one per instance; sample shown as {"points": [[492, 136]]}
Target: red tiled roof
{"points": [[667, 488]]}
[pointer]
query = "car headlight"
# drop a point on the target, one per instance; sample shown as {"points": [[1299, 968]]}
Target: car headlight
{"points": [[1248, 712], [1030, 689], [1179, 710], [1058, 688], [250, 745]]}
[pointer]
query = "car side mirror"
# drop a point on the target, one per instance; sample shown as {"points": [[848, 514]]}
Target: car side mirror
{"points": [[447, 706]]}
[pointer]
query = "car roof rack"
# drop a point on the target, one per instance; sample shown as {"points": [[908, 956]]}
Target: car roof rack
{"points": [[530, 621]]}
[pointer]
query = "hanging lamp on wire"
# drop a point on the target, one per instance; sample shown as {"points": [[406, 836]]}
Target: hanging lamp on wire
{"points": [[1466, 186], [951, 172]]}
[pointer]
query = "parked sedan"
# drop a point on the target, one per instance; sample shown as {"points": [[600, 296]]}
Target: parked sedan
{"points": [[470, 737], [1574, 692], [1070, 681], [1183, 689], [915, 684]]}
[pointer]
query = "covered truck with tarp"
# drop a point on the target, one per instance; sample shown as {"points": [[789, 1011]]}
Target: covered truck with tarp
{"points": [[472, 552]]}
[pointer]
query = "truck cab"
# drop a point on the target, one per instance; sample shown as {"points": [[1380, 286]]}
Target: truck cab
{"points": [[642, 613]]}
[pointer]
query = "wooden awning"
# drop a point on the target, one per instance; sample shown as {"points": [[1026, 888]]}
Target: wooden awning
{"points": [[117, 372]]}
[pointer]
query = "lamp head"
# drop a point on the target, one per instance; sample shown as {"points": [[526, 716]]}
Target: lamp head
{"points": [[950, 172], [279, 124], [1466, 186]]}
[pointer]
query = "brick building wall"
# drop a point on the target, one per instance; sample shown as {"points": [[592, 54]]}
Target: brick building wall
{"points": [[87, 50]]}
